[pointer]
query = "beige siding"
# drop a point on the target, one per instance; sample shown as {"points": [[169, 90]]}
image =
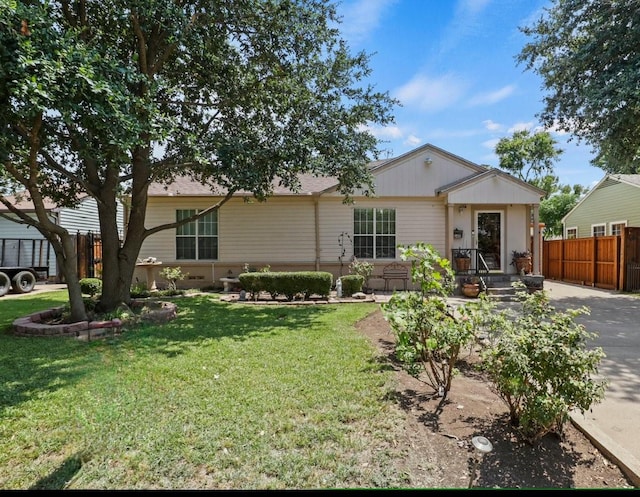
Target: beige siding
{"points": [[609, 202], [492, 190], [414, 178], [279, 230], [416, 220]]}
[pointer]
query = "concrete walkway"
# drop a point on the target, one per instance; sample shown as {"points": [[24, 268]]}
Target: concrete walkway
{"points": [[613, 425]]}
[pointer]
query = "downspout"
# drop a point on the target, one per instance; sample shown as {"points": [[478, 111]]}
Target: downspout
{"points": [[316, 214]]}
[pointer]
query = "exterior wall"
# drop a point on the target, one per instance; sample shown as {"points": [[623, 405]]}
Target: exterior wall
{"points": [[281, 233], [415, 178], [85, 218], [493, 190], [610, 202]]}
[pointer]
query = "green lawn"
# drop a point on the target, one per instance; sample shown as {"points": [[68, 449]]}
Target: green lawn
{"points": [[225, 396]]}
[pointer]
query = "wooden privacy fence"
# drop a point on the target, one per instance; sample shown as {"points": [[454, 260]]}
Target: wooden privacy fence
{"points": [[611, 262]]}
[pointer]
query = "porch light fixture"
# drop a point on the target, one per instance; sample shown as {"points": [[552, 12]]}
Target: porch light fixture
{"points": [[457, 233], [461, 208]]}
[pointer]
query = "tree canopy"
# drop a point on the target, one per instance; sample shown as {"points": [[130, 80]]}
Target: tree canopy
{"points": [[586, 52], [528, 156], [103, 98]]}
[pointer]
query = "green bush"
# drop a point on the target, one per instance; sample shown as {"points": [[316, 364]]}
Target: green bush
{"points": [[91, 286], [541, 368], [290, 284], [173, 275], [430, 333], [351, 283]]}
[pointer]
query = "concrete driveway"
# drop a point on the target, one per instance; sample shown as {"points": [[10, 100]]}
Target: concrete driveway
{"points": [[613, 424]]}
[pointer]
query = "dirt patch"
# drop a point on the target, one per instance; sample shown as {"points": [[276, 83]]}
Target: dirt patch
{"points": [[437, 442]]}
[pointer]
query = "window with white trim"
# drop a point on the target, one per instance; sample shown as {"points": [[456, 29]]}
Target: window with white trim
{"points": [[374, 233], [197, 240], [617, 227], [598, 229], [572, 233]]}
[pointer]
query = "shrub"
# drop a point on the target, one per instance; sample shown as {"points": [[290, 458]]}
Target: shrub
{"points": [[540, 367], [91, 286], [363, 268], [173, 275], [351, 283], [289, 284], [139, 290], [430, 333]]}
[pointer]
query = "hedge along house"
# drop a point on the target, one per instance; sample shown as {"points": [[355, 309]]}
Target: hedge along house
{"points": [[610, 206], [426, 195], [24, 245]]}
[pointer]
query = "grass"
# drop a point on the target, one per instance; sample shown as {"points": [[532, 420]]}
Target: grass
{"points": [[226, 396]]}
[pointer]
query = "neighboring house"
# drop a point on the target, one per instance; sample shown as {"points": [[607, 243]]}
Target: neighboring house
{"points": [[21, 244], [609, 207], [426, 195]]}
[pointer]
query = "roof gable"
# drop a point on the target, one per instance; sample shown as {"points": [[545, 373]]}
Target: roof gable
{"points": [[491, 186], [606, 181]]}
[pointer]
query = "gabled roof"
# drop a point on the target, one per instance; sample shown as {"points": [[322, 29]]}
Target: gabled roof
{"points": [[486, 172], [608, 179]]}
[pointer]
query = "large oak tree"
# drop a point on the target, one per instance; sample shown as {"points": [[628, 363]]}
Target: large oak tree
{"points": [[101, 98], [588, 54]]}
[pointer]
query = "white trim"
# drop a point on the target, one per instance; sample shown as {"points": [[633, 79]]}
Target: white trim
{"points": [[566, 233], [612, 223], [604, 225]]}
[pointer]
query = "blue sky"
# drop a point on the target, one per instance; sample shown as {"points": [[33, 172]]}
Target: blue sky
{"points": [[452, 65]]}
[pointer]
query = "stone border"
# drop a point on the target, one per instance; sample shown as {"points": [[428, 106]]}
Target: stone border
{"points": [[33, 326]]}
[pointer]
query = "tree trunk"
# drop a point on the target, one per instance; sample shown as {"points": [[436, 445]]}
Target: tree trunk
{"points": [[68, 259], [119, 262]]}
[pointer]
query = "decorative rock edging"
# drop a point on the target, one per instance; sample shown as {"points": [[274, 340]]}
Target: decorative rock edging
{"points": [[33, 325]]}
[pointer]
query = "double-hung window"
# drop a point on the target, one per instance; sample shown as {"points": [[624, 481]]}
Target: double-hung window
{"points": [[197, 240], [618, 227], [374, 233], [598, 229]]}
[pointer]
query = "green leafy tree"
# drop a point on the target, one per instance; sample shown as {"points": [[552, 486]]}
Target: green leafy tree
{"points": [[103, 98], [542, 367], [528, 156], [557, 205], [430, 333], [586, 52]]}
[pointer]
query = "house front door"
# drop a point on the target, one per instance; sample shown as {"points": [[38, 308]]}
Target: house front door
{"points": [[489, 239]]}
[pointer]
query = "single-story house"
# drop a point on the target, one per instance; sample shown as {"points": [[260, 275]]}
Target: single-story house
{"points": [[24, 245], [426, 195], [609, 207]]}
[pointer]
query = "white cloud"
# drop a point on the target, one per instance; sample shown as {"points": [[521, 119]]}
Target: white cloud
{"points": [[492, 97], [412, 140], [471, 7], [362, 17], [492, 126], [431, 94], [386, 132], [491, 144], [520, 127]]}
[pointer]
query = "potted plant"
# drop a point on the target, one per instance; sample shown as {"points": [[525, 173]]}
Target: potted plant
{"points": [[521, 260], [471, 286], [462, 258]]}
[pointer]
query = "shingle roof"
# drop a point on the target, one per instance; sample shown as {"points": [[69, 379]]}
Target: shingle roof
{"points": [[25, 204]]}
